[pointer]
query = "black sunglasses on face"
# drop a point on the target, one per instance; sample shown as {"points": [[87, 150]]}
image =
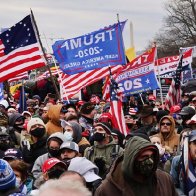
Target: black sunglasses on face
{"points": [[168, 124]]}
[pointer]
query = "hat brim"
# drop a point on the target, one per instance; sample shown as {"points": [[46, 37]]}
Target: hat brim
{"points": [[193, 138], [90, 176]]}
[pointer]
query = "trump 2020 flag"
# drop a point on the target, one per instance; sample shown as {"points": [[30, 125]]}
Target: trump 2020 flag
{"points": [[19, 49], [1, 91], [91, 51], [138, 76]]}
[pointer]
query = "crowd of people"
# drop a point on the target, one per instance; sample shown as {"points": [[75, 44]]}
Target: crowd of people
{"points": [[56, 148]]}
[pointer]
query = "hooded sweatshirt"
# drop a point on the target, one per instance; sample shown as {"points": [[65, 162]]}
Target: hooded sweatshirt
{"points": [[123, 178], [82, 142], [172, 139], [54, 124]]}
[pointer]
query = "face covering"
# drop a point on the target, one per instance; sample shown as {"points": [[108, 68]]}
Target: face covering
{"points": [[53, 152], [19, 127], [18, 182], [38, 132], [145, 167], [55, 174], [99, 136], [68, 136]]}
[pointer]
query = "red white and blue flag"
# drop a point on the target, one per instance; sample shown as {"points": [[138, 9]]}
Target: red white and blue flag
{"points": [[116, 108], [72, 84], [19, 49], [20, 76], [173, 96], [189, 175]]}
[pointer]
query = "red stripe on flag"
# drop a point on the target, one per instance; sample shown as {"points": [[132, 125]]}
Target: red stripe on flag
{"points": [[72, 84]]}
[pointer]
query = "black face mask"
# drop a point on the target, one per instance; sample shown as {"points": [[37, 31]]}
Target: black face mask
{"points": [[38, 132], [53, 153], [19, 127], [99, 137], [67, 161], [55, 174]]}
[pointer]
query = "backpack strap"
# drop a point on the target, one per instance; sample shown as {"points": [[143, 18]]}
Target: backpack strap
{"points": [[90, 152], [115, 151]]}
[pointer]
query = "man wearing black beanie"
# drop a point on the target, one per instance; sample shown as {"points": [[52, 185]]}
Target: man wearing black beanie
{"points": [[105, 150]]}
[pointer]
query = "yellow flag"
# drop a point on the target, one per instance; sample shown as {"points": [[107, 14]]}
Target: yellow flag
{"points": [[130, 53], [14, 88]]}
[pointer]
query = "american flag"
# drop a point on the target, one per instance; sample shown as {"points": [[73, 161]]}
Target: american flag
{"points": [[189, 175], [173, 96], [116, 108], [20, 76], [46, 74], [72, 84], [19, 50]]}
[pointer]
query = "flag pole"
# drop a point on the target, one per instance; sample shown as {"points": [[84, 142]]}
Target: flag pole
{"points": [[161, 93], [121, 37], [47, 64], [63, 90]]}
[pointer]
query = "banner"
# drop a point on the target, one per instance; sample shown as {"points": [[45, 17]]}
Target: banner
{"points": [[91, 51], [166, 67], [139, 76]]}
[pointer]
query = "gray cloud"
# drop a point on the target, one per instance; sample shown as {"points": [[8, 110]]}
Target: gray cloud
{"points": [[71, 18]]}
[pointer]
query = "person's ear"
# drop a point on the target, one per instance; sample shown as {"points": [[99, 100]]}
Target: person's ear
{"points": [[45, 176]]}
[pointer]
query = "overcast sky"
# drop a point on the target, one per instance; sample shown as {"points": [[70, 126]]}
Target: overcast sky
{"points": [[71, 18]]}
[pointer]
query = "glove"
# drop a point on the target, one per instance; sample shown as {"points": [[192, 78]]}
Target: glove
{"points": [[101, 164], [26, 144]]}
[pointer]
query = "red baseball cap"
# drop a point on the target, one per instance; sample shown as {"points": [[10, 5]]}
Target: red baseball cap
{"points": [[151, 98], [48, 164], [175, 109]]}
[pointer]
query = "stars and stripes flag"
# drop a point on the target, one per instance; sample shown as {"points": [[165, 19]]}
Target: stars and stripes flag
{"points": [[189, 175], [46, 74], [20, 76], [116, 108], [19, 49], [173, 96], [72, 84]]}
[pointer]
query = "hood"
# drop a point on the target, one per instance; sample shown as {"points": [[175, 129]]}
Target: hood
{"points": [[171, 119], [112, 142], [135, 146], [77, 130], [13, 117], [54, 113]]}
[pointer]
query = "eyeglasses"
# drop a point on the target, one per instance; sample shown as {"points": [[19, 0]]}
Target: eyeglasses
{"points": [[168, 124]]}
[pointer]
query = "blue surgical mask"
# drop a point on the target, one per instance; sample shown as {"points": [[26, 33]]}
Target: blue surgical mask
{"points": [[68, 136], [18, 182]]}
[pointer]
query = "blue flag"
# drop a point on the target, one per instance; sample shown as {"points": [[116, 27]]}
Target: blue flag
{"points": [[1, 91], [138, 76], [91, 51]]}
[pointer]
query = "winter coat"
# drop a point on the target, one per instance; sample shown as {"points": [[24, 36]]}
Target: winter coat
{"points": [[103, 155], [172, 140], [82, 142], [54, 123], [15, 136], [123, 180], [37, 149], [37, 167]]}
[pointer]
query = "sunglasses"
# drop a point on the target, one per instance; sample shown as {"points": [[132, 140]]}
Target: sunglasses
{"points": [[168, 124]]}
